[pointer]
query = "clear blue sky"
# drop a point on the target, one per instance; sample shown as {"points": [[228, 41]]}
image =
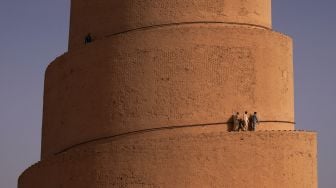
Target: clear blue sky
{"points": [[34, 32]]}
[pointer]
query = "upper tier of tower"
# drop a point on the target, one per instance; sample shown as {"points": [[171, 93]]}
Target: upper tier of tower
{"points": [[107, 17]]}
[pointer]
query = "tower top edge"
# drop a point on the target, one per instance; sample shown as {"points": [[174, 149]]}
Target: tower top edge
{"points": [[106, 17]]}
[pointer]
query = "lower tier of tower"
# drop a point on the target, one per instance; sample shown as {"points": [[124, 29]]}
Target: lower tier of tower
{"points": [[183, 157]]}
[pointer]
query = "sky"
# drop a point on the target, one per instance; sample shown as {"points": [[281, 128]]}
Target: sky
{"points": [[33, 33]]}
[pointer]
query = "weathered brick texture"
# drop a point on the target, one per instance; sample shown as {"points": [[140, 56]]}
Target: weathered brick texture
{"points": [[148, 103]]}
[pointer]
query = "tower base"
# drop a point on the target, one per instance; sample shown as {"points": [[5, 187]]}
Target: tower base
{"points": [[183, 157]]}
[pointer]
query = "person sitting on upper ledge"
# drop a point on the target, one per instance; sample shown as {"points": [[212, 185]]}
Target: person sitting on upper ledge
{"points": [[88, 38]]}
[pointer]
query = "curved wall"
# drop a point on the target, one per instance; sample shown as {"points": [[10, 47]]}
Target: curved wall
{"points": [[147, 103], [168, 76], [187, 158], [106, 17]]}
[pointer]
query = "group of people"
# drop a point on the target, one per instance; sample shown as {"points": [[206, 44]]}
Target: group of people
{"points": [[245, 123]]}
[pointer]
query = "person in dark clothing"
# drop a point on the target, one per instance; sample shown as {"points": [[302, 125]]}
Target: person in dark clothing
{"points": [[88, 38], [255, 121], [241, 125]]}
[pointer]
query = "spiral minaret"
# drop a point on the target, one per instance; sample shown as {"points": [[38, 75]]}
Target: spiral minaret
{"points": [[148, 102]]}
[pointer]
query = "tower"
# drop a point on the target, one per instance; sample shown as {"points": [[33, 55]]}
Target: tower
{"points": [[148, 102]]}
